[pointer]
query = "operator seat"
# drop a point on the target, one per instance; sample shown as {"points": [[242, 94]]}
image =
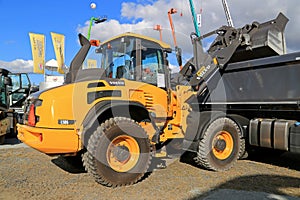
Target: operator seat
{"points": [[121, 70]]}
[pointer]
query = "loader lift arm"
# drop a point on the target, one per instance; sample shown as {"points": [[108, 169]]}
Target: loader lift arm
{"points": [[233, 45]]}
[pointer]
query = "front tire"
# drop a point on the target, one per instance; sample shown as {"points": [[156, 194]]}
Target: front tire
{"points": [[221, 145], [119, 153]]}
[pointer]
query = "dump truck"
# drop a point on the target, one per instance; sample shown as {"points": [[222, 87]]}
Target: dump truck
{"points": [[126, 111]]}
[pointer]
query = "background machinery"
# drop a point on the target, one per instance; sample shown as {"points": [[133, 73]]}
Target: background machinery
{"points": [[178, 50], [18, 92], [15, 88], [4, 105]]}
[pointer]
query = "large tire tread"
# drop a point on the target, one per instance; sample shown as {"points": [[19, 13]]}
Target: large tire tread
{"points": [[90, 162], [243, 153], [202, 159]]}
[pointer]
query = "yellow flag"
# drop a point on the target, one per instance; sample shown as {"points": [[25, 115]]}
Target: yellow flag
{"points": [[91, 63], [37, 42], [58, 41]]}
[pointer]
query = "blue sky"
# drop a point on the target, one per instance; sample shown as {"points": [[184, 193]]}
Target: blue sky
{"points": [[70, 17], [20, 17]]}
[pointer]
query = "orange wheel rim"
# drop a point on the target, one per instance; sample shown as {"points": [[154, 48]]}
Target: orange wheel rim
{"points": [[123, 153], [222, 145]]}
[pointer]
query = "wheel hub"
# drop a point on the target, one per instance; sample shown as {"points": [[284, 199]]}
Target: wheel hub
{"points": [[121, 153], [220, 145], [223, 145]]}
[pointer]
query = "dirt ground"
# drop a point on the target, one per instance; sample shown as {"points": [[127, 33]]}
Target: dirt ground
{"points": [[28, 174]]}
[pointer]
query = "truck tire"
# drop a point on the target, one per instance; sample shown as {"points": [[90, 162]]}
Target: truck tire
{"points": [[118, 153], [221, 145], [243, 154]]}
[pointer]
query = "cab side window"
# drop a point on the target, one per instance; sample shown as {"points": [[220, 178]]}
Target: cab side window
{"points": [[151, 66]]}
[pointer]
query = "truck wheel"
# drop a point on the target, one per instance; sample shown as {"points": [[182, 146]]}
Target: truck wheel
{"points": [[118, 153], [243, 153], [221, 145]]}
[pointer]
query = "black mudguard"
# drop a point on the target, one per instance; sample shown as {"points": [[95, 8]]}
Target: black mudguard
{"points": [[108, 109], [197, 122]]}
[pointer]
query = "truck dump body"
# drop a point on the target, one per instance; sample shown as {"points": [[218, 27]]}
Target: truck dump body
{"points": [[266, 87], [266, 80]]}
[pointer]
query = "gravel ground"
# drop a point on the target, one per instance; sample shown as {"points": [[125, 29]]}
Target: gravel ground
{"points": [[28, 174]]}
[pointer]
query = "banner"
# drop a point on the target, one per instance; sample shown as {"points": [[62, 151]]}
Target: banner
{"points": [[58, 41], [37, 42], [91, 63]]}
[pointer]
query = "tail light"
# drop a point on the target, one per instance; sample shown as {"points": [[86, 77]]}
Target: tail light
{"points": [[31, 116]]}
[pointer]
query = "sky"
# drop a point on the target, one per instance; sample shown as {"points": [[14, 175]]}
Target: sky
{"points": [[71, 17]]}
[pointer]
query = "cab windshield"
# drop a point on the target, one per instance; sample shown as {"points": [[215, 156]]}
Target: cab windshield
{"points": [[118, 58], [129, 58]]}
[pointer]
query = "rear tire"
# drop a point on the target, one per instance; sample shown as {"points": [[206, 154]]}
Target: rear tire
{"points": [[118, 153], [221, 145]]}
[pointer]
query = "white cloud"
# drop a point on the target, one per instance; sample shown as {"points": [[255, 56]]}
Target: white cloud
{"points": [[174, 69], [245, 12], [141, 16], [144, 15], [18, 65]]}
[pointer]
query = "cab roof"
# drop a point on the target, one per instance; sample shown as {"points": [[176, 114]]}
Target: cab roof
{"points": [[129, 34]]}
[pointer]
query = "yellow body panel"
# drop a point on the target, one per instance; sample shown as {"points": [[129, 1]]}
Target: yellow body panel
{"points": [[70, 103], [56, 105], [49, 141]]}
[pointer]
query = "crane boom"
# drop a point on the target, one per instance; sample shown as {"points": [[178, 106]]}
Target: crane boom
{"points": [[227, 13], [170, 12], [194, 18]]}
